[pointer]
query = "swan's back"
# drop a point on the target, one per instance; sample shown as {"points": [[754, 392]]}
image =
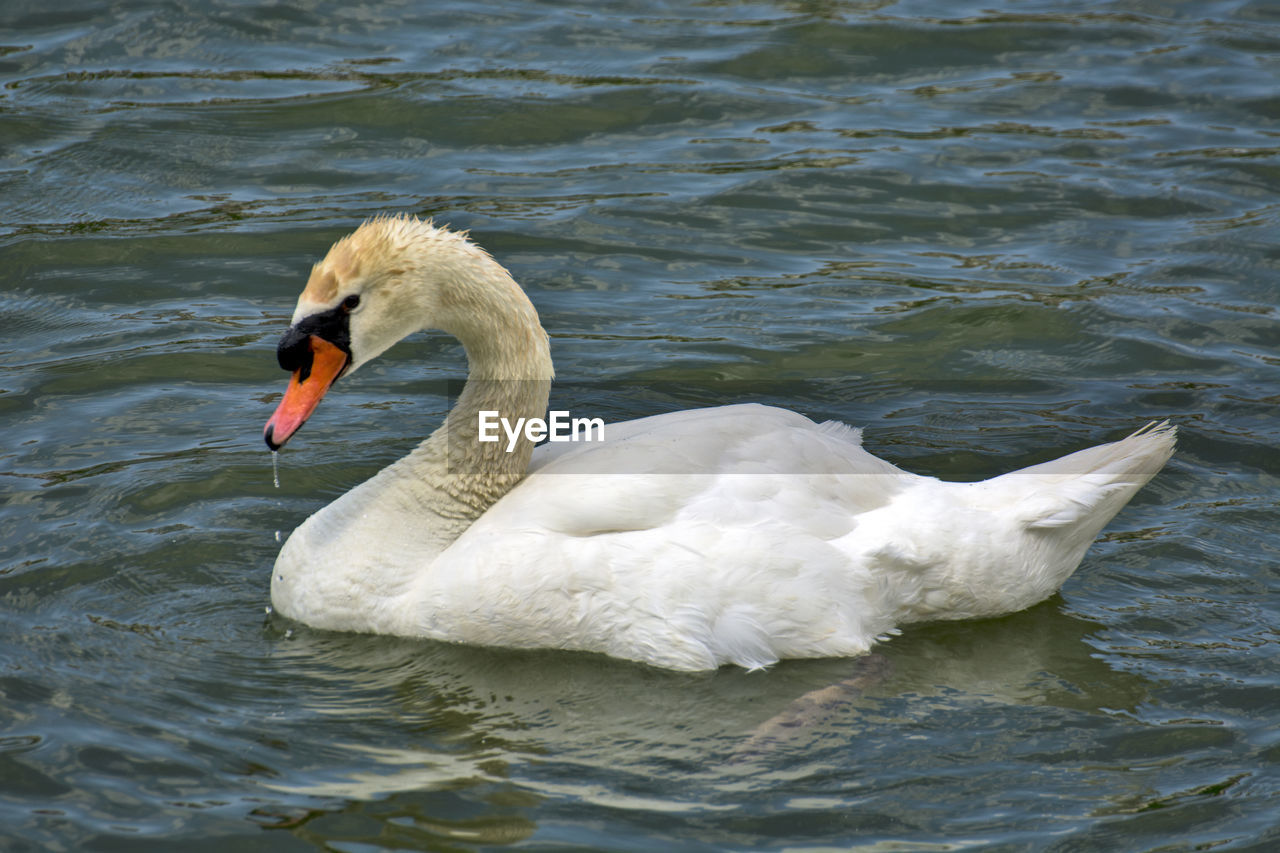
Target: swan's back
{"points": [[743, 464], [687, 540]]}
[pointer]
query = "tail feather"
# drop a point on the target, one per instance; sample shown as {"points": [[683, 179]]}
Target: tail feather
{"points": [[1090, 486]]}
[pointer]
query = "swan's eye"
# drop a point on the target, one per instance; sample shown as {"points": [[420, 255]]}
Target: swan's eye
{"points": [[350, 303]]}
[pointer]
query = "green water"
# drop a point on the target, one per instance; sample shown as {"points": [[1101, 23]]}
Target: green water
{"points": [[986, 233]]}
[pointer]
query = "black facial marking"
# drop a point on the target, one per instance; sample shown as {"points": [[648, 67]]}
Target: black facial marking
{"points": [[294, 353]]}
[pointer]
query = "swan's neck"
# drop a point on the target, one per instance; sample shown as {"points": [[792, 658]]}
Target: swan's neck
{"points": [[464, 475], [453, 475]]}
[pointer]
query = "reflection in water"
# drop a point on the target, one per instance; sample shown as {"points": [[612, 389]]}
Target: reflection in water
{"points": [[396, 825], [816, 706], [518, 728]]}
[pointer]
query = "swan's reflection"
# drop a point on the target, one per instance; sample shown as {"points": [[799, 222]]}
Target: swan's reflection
{"points": [[561, 723]]}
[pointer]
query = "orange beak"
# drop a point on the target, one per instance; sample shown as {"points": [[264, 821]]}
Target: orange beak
{"points": [[305, 391]]}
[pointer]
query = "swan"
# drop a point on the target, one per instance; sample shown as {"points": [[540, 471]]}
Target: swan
{"points": [[741, 534]]}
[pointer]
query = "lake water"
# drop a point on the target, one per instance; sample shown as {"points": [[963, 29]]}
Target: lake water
{"points": [[986, 232]]}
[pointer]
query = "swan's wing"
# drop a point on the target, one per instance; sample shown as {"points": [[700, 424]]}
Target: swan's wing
{"points": [[729, 465], [687, 540]]}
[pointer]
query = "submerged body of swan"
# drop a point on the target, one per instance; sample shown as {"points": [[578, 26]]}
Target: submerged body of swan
{"points": [[739, 534]]}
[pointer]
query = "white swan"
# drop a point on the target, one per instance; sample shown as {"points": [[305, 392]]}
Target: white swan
{"points": [[742, 534]]}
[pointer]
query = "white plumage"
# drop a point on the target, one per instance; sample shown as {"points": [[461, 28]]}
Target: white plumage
{"points": [[740, 534]]}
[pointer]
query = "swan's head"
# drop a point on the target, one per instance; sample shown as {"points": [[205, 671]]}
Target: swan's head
{"points": [[389, 278]]}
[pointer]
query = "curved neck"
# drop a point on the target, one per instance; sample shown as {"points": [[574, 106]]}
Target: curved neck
{"points": [[509, 372]]}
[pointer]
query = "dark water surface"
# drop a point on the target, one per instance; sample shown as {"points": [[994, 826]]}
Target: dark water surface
{"points": [[987, 232]]}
